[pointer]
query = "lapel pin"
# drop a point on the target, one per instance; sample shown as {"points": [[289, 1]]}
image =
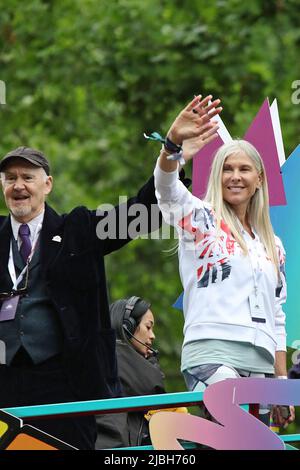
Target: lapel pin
{"points": [[57, 238]]}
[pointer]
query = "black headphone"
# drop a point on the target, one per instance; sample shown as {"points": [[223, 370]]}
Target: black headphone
{"points": [[129, 323]]}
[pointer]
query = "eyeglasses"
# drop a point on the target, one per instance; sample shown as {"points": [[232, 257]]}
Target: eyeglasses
{"points": [[14, 292]]}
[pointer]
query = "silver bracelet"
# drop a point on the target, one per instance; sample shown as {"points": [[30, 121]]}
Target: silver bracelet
{"points": [[178, 157]]}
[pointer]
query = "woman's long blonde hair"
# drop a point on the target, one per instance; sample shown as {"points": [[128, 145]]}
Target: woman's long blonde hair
{"points": [[258, 208]]}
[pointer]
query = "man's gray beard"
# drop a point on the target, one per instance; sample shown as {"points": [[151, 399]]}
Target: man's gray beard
{"points": [[20, 211]]}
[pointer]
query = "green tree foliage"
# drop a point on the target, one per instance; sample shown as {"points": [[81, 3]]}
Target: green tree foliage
{"points": [[86, 78]]}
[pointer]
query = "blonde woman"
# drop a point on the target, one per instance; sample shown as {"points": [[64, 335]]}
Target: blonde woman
{"points": [[231, 263]]}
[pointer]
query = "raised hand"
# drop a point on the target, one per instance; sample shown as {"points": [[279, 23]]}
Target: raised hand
{"points": [[192, 146], [195, 120]]}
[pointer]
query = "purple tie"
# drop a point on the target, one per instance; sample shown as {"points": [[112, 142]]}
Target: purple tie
{"points": [[24, 234]]}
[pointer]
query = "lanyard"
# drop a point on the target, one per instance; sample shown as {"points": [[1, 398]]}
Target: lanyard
{"points": [[256, 301], [11, 265], [251, 251], [254, 268], [253, 260]]}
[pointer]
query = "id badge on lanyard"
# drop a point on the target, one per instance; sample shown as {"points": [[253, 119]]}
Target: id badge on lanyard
{"points": [[256, 300], [257, 307], [10, 305], [9, 308]]}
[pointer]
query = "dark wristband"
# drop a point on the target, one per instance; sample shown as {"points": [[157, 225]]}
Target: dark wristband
{"points": [[171, 147]]}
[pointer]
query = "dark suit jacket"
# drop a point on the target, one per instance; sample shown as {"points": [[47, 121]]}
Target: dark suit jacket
{"points": [[74, 273]]}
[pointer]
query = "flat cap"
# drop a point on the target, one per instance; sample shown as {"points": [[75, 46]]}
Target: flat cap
{"points": [[31, 155]]}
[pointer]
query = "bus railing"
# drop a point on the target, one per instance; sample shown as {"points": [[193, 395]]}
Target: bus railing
{"points": [[124, 404]]}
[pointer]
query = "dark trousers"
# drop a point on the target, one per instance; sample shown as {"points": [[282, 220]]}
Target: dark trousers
{"points": [[25, 384]]}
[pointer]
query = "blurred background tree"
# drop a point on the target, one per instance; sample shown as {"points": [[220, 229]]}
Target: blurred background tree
{"points": [[86, 78]]}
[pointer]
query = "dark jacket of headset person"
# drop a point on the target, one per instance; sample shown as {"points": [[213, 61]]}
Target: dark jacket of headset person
{"points": [[139, 372]]}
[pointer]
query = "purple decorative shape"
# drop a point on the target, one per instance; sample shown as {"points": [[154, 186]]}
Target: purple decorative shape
{"points": [[261, 135], [201, 166]]}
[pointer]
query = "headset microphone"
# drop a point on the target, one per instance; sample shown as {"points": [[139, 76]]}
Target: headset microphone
{"points": [[154, 351]]}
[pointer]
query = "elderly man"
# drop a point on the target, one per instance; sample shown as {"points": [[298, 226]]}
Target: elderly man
{"points": [[55, 335]]}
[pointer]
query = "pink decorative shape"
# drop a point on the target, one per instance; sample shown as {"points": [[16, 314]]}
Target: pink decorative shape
{"points": [[261, 135], [201, 166]]}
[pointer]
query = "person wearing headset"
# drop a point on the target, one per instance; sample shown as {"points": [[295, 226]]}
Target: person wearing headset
{"points": [[139, 373]]}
